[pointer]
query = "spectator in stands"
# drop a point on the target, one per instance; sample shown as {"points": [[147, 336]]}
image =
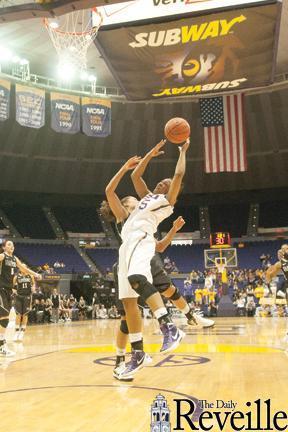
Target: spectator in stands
{"points": [[187, 287], [240, 304], [48, 311], [65, 313], [167, 264], [97, 311], [38, 294], [82, 308], [259, 291], [103, 312], [37, 312], [250, 293], [95, 306], [282, 311], [194, 276], [55, 299], [212, 296], [250, 307], [198, 297], [174, 268], [264, 311], [113, 313]]}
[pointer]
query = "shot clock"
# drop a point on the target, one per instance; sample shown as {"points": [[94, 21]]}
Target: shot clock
{"points": [[220, 240]]}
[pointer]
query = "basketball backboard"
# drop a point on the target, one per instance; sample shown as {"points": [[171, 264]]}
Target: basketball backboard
{"points": [[223, 257]]}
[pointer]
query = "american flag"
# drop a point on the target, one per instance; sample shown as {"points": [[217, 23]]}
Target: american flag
{"points": [[224, 134]]}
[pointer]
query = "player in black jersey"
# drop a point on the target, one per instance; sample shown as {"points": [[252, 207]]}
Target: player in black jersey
{"points": [[272, 271], [116, 212], [9, 265], [23, 286]]}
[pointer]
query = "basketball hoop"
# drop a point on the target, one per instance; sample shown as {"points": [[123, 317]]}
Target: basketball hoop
{"points": [[72, 34]]}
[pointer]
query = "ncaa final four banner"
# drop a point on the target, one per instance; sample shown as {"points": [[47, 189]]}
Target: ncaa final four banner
{"points": [[65, 113], [196, 53], [30, 106], [96, 117], [5, 87]]}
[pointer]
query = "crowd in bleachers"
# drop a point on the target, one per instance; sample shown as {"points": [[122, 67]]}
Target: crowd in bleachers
{"points": [[246, 287], [63, 308]]}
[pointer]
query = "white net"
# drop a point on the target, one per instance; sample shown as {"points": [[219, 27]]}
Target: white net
{"points": [[72, 34]]}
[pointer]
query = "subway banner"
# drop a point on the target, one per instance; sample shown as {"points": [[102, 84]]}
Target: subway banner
{"points": [[65, 113], [30, 106], [200, 52], [4, 99], [96, 117]]}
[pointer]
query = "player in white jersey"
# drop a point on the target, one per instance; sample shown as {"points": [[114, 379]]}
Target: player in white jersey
{"points": [[116, 211], [136, 252]]}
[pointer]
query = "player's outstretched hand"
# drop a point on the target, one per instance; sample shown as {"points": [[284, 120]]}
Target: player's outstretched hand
{"points": [[132, 163], [178, 223], [185, 146], [156, 151]]}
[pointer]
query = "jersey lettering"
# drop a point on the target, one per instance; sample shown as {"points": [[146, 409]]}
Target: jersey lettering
{"points": [[145, 201]]}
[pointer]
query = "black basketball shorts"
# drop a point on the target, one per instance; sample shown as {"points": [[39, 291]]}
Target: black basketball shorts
{"points": [[161, 280], [22, 304]]}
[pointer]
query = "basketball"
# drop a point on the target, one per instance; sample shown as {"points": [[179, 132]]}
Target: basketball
{"points": [[177, 130]]}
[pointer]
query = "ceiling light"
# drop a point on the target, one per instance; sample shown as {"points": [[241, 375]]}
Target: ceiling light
{"points": [[5, 54], [66, 71]]}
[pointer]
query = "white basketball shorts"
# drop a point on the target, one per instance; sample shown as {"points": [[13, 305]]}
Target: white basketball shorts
{"points": [[135, 255]]}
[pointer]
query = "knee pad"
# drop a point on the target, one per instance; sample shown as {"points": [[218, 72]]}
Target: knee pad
{"points": [[176, 295], [4, 322], [124, 327], [144, 288]]}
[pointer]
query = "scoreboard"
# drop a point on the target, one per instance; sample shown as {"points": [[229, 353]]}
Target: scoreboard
{"points": [[220, 240]]}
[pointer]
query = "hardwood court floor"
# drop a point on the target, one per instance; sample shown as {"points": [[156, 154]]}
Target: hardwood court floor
{"points": [[61, 379]]}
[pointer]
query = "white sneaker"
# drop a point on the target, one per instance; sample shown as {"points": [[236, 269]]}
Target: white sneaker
{"points": [[5, 352], [201, 321], [119, 370]]}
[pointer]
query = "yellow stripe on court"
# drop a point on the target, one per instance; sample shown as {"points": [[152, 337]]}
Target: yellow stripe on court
{"points": [[186, 349]]}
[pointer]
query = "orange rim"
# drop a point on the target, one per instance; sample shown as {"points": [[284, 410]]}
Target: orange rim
{"points": [[89, 32]]}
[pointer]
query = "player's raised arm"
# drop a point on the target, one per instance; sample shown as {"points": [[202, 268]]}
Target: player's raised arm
{"points": [[161, 245], [137, 175], [26, 270], [114, 202], [176, 183]]}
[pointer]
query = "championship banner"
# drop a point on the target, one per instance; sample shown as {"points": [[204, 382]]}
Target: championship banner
{"points": [[30, 106], [65, 113], [4, 99], [96, 117], [197, 53]]}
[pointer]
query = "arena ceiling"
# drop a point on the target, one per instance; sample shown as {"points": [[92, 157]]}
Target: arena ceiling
{"points": [[29, 39]]}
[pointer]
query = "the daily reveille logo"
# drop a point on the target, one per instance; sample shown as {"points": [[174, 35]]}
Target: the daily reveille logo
{"points": [[187, 34]]}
